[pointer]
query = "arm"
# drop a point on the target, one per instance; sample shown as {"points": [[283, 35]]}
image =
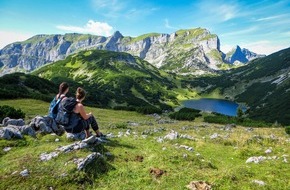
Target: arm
{"points": [[83, 112]]}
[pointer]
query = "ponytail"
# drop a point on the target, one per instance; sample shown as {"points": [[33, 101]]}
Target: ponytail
{"points": [[80, 93], [62, 88]]}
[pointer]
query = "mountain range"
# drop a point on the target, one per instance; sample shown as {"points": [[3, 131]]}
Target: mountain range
{"points": [[193, 51]]}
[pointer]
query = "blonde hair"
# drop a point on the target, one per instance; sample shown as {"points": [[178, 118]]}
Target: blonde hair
{"points": [[81, 93]]}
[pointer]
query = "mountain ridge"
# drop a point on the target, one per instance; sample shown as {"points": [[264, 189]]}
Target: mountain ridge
{"points": [[188, 51]]}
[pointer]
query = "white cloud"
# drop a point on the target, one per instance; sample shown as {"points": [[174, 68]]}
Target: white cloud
{"points": [[241, 32], [92, 27], [167, 25], [264, 47], [227, 12], [8, 37]]}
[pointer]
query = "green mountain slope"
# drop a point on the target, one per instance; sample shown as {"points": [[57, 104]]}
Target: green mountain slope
{"points": [[264, 85], [20, 85], [112, 79]]}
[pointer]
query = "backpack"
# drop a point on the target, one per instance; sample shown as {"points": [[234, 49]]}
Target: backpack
{"points": [[65, 109], [53, 107]]}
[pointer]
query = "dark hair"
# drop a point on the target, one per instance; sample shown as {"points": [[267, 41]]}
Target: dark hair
{"points": [[62, 88], [81, 93]]}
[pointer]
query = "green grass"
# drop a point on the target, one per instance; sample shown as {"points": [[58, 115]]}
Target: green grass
{"points": [[221, 161]]}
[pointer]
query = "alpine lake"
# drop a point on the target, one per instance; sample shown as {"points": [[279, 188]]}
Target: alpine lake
{"points": [[221, 106]]}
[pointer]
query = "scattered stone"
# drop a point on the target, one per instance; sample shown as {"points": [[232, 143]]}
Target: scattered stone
{"points": [[164, 148], [16, 122], [24, 173], [90, 140], [45, 156], [110, 135], [214, 136], [156, 172], [6, 149], [229, 127], [250, 129], [184, 155], [284, 156], [56, 140], [108, 154], [156, 116], [164, 121], [15, 172], [82, 164], [120, 134], [186, 137], [268, 151], [133, 124], [10, 132], [128, 132], [259, 182], [76, 136], [172, 135], [256, 159], [160, 139], [144, 136], [186, 147], [199, 185]]}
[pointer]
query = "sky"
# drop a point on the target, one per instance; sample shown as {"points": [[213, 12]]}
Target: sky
{"points": [[260, 26]]}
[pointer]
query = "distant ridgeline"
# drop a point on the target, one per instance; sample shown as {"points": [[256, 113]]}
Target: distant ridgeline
{"points": [[193, 51]]}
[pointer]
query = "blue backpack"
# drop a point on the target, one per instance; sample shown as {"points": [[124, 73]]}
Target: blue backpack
{"points": [[53, 108], [65, 110]]}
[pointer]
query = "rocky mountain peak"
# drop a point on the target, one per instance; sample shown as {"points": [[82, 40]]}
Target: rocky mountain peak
{"points": [[241, 55], [182, 51]]}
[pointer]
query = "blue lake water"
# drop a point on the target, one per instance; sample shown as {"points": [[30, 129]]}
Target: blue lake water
{"points": [[213, 105]]}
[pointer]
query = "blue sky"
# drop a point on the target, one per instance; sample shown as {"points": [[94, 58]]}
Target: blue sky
{"points": [[261, 26]]}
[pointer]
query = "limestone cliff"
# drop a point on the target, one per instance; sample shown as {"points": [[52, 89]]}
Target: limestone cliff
{"points": [[184, 51]]}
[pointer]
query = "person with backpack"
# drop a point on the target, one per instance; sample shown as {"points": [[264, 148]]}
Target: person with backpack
{"points": [[74, 118], [54, 105]]}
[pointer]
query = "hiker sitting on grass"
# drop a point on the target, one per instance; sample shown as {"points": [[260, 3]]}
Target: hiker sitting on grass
{"points": [[53, 108], [78, 120]]}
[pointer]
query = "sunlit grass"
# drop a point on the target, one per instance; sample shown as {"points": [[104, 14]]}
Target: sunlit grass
{"points": [[221, 161]]}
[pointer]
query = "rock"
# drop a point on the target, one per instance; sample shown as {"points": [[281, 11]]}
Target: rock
{"points": [[199, 185], [10, 132], [214, 136], [160, 139], [268, 151], [24, 173], [76, 136], [110, 135], [82, 164], [186, 147], [45, 156], [250, 129], [259, 182], [186, 137], [56, 140], [90, 140], [120, 134], [256, 159], [6, 149], [16, 122], [229, 127], [172, 135], [128, 132]]}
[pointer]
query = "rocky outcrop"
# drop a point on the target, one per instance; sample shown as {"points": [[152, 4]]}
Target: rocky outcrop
{"points": [[238, 55], [184, 50]]}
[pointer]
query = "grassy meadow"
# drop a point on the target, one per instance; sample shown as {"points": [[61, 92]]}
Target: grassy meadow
{"points": [[219, 161]]}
